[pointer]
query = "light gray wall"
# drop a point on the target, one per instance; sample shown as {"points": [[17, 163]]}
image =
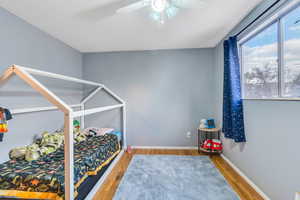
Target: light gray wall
{"points": [[271, 155], [25, 45], [167, 92]]}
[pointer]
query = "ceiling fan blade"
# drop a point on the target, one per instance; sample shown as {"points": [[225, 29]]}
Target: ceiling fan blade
{"points": [[107, 10], [188, 3], [133, 7]]}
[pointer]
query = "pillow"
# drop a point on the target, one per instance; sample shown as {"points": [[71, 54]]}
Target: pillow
{"points": [[93, 131]]}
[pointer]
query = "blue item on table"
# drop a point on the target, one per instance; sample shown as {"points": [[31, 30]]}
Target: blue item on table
{"points": [[211, 123]]}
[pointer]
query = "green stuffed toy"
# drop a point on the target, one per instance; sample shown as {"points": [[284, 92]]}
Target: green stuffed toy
{"points": [[32, 152], [49, 143], [17, 153], [78, 135], [76, 125]]}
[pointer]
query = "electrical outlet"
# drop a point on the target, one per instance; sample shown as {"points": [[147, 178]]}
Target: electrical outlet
{"points": [[188, 134]]}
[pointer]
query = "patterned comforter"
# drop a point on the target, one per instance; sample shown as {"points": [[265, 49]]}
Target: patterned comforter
{"points": [[44, 178]]}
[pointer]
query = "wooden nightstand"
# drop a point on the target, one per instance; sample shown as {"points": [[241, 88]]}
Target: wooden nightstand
{"points": [[208, 133]]}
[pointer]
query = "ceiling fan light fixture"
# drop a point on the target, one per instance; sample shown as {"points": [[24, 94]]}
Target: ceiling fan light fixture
{"points": [[159, 5], [171, 11]]}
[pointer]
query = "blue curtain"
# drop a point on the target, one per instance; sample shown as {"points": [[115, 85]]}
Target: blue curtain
{"points": [[233, 119]]}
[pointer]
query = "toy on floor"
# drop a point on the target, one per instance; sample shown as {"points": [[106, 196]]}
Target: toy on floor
{"points": [[129, 149], [212, 144], [217, 145], [207, 144]]}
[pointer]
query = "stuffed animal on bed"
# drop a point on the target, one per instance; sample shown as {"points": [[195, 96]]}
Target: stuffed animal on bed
{"points": [[32, 152], [17, 153], [49, 143], [29, 153], [76, 125], [79, 136]]}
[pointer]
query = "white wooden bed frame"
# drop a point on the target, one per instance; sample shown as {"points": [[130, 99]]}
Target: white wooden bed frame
{"points": [[26, 75]]}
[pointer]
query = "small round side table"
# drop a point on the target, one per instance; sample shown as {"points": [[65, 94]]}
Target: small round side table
{"points": [[205, 134]]}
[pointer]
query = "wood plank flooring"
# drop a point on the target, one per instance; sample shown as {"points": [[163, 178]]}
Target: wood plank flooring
{"points": [[243, 189]]}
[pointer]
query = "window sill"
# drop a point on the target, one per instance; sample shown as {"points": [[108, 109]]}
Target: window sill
{"points": [[271, 99]]}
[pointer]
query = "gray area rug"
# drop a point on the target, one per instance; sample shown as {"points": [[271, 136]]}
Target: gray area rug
{"points": [[168, 177]]}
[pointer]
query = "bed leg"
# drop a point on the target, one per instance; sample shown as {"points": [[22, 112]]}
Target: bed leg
{"points": [[69, 148], [82, 118], [124, 126]]}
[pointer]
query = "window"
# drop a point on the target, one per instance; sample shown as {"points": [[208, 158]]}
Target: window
{"points": [[291, 54], [270, 59]]}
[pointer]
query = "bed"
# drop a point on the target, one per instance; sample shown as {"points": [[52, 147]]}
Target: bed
{"points": [[44, 178], [84, 166]]}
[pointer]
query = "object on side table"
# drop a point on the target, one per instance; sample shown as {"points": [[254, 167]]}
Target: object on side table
{"points": [[211, 123], [203, 123]]}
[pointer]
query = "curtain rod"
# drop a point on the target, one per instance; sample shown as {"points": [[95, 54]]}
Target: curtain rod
{"points": [[258, 17]]}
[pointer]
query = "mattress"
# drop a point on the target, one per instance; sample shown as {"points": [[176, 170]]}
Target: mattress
{"points": [[44, 178]]}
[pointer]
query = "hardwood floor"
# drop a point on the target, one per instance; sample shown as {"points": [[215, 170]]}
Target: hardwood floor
{"points": [[243, 189]]}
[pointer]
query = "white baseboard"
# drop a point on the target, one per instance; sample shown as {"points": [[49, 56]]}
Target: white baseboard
{"points": [[165, 147], [248, 180]]}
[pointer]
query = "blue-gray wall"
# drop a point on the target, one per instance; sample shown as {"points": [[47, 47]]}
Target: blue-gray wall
{"points": [[271, 155], [25, 45], [167, 91]]}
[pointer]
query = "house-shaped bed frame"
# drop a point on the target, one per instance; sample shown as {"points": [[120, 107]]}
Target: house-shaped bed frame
{"points": [[26, 75]]}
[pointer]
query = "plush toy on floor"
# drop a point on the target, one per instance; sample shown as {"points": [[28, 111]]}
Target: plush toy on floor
{"points": [[207, 144], [216, 145], [129, 149], [212, 144]]}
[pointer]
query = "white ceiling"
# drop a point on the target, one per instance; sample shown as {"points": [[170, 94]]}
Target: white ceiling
{"points": [[71, 21]]}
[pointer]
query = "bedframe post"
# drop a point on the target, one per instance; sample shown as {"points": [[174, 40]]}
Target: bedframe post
{"points": [[82, 117], [36, 85], [113, 95], [124, 125], [8, 73], [69, 159]]}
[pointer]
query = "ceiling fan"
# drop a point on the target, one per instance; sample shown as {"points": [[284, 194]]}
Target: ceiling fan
{"points": [[159, 10]]}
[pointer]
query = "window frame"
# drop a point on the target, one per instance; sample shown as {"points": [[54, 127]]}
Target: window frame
{"points": [[275, 18]]}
